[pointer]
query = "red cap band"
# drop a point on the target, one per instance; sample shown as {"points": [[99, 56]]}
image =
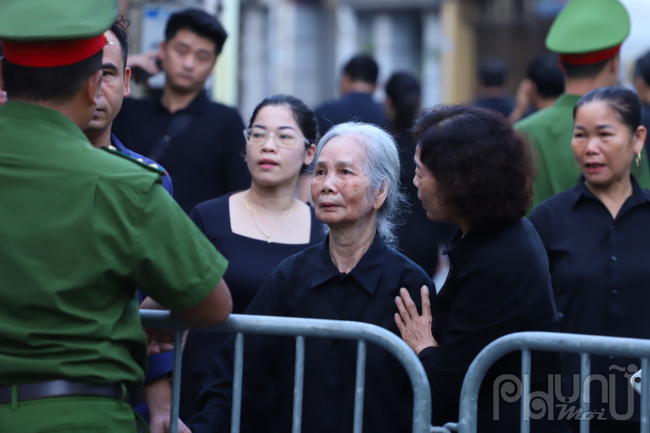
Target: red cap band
{"points": [[52, 53], [590, 58]]}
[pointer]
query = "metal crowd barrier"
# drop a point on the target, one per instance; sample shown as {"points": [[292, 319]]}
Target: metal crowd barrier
{"points": [[302, 328], [585, 345]]}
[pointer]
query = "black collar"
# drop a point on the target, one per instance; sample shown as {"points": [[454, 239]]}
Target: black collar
{"points": [[358, 95], [460, 247], [197, 106], [582, 192], [367, 272]]}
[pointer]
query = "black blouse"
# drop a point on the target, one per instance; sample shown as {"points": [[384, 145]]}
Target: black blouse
{"points": [[309, 285], [250, 262], [498, 284], [601, 276]]}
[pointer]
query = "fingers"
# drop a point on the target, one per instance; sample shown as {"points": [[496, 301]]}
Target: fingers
{"points": [[400, 325], [182, 428], [402, 309], [410, 305], [159, 340], [426, 302]]}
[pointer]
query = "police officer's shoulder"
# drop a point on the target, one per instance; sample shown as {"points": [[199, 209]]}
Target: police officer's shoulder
{"points": [[540, 120], [141, 162]]}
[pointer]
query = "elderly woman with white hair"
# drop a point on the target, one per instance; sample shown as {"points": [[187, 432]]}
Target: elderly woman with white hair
{"points": [[355, 274]]}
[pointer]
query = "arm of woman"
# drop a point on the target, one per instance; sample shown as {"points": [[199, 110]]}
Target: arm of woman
{"points": [[486, 307]]}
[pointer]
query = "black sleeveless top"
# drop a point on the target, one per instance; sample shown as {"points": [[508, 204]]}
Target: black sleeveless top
{"points": [[250, 262]]}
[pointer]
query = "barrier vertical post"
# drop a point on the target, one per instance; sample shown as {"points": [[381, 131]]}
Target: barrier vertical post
{"points": [[237, 383], [359, 386], [645, 404], [298, 383], [525, 392], [176, 381], [585, 394]]}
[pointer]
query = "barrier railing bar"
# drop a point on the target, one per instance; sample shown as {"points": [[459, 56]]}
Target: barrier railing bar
{"points": [[543, 341], [286, 326], [176, 382], [359, 387], [645, 390], [525, 397], [451, 426], [297, 384], [237, 383], [440, 429], [585, 401]]}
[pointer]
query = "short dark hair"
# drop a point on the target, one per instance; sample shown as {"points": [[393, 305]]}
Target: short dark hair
{"points": [[303, 116], [120, 29], [642, 68], [199, 22], [483, 167], [493, 72], [405, 95], [625, 103], [584, 71], [58, 84], [363, 68], [547, 75]]}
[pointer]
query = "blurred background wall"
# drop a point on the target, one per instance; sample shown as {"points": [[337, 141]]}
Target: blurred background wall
{"points": [[299, 46]]}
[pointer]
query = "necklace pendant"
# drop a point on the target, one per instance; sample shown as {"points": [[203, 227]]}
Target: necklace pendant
{"points": [[268, 240]]}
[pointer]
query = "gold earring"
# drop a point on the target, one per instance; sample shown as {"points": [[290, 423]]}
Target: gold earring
{"points": [[638, 159]]}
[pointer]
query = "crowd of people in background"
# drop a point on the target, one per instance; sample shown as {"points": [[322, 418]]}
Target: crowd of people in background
{"points": [[537, 202]]}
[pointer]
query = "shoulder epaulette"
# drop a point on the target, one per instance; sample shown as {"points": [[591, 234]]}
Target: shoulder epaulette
{"points": [[151, 167]]}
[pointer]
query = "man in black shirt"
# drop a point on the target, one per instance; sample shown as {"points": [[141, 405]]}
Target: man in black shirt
{"points": [[492, 87], [198, 141], [358, 83]]}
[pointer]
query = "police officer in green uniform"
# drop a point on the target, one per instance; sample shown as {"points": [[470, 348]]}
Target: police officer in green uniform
{"points": [[588, 35], [80, 229]]}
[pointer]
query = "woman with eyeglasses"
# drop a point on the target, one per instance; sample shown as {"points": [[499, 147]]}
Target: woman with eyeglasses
{"points": [[258, 228]]}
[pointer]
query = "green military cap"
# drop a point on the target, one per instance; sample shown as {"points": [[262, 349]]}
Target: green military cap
{"points": [[49, 33], [589, 26]]}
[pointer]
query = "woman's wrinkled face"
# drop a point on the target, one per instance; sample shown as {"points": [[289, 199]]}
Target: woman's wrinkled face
{"points": [[270, 164], [340, 187], [603, 146], [427, 187]]}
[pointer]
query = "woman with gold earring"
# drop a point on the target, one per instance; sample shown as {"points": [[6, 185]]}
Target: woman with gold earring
{"points": [[598, 244], [258, 228]]}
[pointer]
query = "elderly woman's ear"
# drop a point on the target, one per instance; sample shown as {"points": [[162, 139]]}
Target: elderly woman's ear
{"points": [[380, 198]]}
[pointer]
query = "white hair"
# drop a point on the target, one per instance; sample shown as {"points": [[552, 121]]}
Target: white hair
{"points": [[382, 166]]}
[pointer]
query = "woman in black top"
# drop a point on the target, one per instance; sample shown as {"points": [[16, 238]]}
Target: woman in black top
{"points": [[354, 275], [258, 228], [598, 244], [419, 238], [475, 171]]}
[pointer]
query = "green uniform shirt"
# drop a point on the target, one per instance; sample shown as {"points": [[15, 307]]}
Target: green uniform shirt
{"points": [[551, 131], [80, 229]]}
